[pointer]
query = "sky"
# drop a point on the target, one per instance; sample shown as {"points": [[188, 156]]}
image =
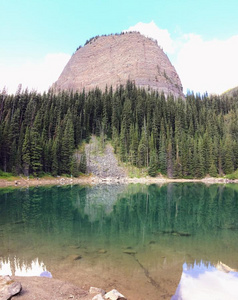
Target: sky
{"points": [[37, 38]]}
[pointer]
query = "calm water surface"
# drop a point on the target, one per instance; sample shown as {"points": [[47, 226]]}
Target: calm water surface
{"points": [[177, 241]]}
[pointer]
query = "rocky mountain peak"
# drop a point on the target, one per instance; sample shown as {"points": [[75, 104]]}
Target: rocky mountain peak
{"points": [[113, 60]]}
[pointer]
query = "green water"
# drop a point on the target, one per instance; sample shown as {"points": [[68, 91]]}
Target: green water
{"points": [[146, 241]]}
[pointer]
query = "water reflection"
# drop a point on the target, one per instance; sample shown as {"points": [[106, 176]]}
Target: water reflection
{"points": [[17, 268], [206, 281], [161, 226]]}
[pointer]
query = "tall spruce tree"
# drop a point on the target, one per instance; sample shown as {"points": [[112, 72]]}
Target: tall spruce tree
{"points": [[26, 152]]}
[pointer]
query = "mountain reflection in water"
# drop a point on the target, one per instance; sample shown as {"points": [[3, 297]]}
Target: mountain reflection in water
{"points": [[136, 238]]}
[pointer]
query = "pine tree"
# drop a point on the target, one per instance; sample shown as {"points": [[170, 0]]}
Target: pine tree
{"points": [[177, 164], [26, 152], [74, 167], [143, 148], [213, 170], [36, 153], [123, 143], [67, 147], [170, 167], [55, 158], [162, 156], [153, 167], [200, 168], [83, 163], [228, 165], [134, 137]]}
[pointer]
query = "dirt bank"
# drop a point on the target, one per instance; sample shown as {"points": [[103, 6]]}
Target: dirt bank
{"points": [[40, 288], [92, 180]]}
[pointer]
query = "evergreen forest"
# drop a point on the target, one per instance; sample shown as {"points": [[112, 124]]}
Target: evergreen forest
{"points": [[180, 138]]}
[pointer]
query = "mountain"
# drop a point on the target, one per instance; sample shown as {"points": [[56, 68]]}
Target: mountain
{"points": [[232, 92], [113, 60]]}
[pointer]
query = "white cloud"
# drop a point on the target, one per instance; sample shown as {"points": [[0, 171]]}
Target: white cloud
{"points": [[202, 65], [153, 31], [208, 65], [198, 283], [33, 74]]}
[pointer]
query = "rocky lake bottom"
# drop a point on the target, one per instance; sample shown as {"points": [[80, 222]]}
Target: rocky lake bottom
{"points": [[147, 241]]}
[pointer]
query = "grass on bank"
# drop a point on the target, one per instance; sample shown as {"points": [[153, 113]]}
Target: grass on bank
{"points": [[7, 176], [233, 175]]}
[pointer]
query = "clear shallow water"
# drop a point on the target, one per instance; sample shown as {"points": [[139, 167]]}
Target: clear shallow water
{"points": [[149, 242]]}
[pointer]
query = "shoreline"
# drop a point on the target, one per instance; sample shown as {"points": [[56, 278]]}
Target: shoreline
{"points": [[92, 180]]}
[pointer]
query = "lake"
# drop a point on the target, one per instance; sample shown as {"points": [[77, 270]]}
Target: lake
{"points": [[175, 241]]}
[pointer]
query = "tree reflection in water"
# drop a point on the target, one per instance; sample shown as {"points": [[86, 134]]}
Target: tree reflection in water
{"points": [[166, 226]]}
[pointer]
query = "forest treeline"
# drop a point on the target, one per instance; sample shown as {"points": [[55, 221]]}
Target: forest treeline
{"points": [[187, 138]]}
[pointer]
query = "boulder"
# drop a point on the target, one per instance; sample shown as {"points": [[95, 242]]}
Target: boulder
{"points": [[8, 287], [114, 295]]}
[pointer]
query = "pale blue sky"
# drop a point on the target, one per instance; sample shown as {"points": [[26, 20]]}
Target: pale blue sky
{"points": [[30, 30]]}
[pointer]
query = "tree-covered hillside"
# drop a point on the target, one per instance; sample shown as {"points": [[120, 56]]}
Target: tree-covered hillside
{"points": [[181, 138]]}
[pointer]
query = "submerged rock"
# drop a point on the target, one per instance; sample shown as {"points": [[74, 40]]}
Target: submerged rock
{"points": [[114, 295], [74, 257], [102, 251], [95, 290], [130, 251], [184, 233], [98, 297], [176, 233], [8, 287]]}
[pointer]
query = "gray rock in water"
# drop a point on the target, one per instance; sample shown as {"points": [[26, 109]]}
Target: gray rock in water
{"points": [[114, 295], [8, 287]]}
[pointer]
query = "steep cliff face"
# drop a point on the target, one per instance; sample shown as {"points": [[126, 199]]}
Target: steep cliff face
{"points": [[115, 59]]}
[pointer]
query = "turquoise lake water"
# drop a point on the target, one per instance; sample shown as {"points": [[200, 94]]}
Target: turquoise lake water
{"points": [[176, 241]]}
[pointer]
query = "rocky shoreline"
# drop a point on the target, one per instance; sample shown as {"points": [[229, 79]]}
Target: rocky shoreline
{"points": [[28, 288], [103, 168], [93, 180]]}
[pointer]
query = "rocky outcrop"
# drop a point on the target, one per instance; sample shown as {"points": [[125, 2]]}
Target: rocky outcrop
{"points": [[115, 59], [49, 288], [8, 288], [101, 295], [114, 295], [102, 162]]}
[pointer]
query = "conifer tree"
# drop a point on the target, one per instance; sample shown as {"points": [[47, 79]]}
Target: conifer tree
{"points": [[55, 158], [153, 167], [228, 166], [74, 168], [143, 148], [67, 147], [170, 167], [83, 163], [26, 152], [134, 139], [200, 168], [162, 156]]}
